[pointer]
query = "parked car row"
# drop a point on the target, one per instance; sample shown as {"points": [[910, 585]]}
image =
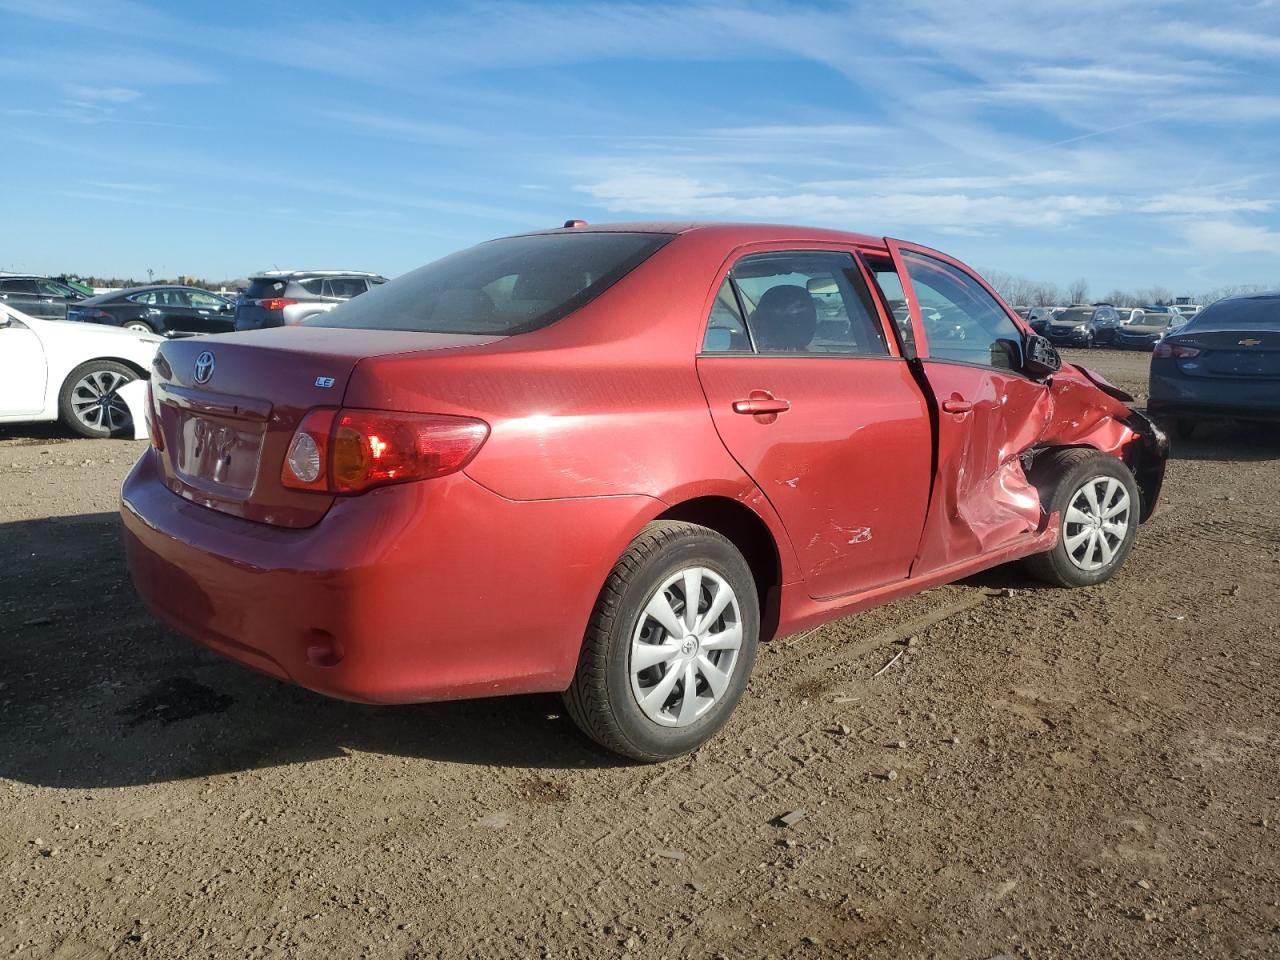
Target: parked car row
{"points": [[1102, 324], [274, 298]]}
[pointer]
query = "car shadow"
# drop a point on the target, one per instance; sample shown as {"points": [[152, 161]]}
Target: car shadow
{"points": [[1228, 441], [95, 693], [53, 431]]}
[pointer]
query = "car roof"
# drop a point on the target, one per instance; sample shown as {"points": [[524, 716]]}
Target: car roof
{"points": [[294, 274], [733, 232]]}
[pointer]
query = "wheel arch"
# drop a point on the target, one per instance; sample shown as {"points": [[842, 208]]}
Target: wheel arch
{"points": [[753, 538], [142, 372]]}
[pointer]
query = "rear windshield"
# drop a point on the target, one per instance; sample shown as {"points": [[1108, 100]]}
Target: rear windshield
{"points": [[502, 287], [264, 288], [1238, 312]]}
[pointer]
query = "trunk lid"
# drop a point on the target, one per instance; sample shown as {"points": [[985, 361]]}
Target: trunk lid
{"points": [[1235, 354], [228, 406]]}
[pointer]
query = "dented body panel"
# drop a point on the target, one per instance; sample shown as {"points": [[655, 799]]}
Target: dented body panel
{"points": [[880, 476]]}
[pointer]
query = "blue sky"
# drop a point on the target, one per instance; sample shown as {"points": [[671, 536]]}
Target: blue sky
{"points": [[1135, 144]]}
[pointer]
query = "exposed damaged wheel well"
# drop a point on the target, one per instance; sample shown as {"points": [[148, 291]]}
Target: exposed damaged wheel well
{"points": [[1142, 455], [744, 528]]}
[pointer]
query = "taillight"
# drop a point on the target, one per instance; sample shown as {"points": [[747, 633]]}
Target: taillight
{"points": [[153, 419], [1181, 351], [350, 451], [276, 303]]}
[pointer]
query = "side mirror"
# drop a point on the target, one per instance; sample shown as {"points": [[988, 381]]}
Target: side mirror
{"points": [[1041, 359]]}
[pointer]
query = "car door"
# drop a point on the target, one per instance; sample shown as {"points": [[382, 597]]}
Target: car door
{"points": [[988, 412], [178, 314], [210, 314], [21, 294], [816, 404], [23, 369], [54, 297]]}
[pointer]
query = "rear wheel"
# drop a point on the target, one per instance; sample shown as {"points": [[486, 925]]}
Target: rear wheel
{"points": [[670, 645], [139, 326], [1183, 428], [89, 402], [1097, 503]]}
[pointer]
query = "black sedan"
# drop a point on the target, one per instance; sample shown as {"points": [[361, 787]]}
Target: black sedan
{"points": [[170, 311], [1224, 363]]}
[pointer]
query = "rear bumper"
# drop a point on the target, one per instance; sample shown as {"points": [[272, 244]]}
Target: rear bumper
{"points": [[1175, 395], [430, 591]]}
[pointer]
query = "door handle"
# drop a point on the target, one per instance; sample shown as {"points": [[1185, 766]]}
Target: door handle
{"points": [[761, 402], [957, 406]]}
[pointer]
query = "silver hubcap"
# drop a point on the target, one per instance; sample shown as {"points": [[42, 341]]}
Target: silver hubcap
{"points": [[1096, 523], [96, 404], [137, 327], [685, 647]]}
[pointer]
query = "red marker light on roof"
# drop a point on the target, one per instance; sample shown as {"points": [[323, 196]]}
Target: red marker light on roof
{"points": [[571, 224]]}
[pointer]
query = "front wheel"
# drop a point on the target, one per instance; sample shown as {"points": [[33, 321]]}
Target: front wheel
{"points": [[90, 404], [1097, 503], [670, 645]]}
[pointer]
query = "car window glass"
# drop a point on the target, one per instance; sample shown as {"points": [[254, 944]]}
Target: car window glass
{"points": [[148, 298], [726, 330], [961, 320], [204, 301], [264, 288], [19, 286], [345, 287], [554, 274], [48, 288], [895, 297], [314, 286], [807, 302]]}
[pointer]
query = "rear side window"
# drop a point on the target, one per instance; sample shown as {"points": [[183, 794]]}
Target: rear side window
{"points": [[265, 288], [801, 302], [344, 287], [503, 287], [18, 286]]}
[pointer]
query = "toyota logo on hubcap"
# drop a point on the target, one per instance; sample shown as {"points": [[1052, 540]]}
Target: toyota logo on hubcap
{"points": [[204, 367]]}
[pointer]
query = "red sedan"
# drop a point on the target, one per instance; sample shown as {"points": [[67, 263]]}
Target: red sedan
{"points": [[610, 460]]}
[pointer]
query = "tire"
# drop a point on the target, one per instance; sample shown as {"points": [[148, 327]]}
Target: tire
{"points": [[604, 698], [139, 326], [81, 403], [1184, 428], [1080, 557]]}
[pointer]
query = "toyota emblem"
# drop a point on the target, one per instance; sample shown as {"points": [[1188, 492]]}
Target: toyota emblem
{"points": [[204, 367]]}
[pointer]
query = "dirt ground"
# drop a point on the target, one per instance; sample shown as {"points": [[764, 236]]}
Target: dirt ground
{"points": [[1040, 773]]}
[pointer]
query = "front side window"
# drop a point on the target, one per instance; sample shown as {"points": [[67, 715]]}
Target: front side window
{"points": [[205, 301], [805, 302], [50, 289], [961, 320]]}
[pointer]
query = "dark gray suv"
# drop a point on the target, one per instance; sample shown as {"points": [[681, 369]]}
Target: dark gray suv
{"points": [[278, 298], [38, 297]]}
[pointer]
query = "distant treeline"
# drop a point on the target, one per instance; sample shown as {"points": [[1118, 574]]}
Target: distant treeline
{"points": [[1020, 291]]}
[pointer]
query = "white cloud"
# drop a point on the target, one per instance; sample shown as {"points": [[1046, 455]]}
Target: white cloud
{"points": [[1191, 203], [1231, 237]]}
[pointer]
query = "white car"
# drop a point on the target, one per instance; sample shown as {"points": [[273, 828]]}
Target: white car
{"points": [[56, 370]]}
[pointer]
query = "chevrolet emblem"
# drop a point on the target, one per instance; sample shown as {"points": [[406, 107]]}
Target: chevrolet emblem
{"points": [[1250, 343]]}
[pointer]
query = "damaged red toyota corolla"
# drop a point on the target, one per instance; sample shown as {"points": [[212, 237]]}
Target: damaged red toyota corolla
{"points": [[609, 461]]}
